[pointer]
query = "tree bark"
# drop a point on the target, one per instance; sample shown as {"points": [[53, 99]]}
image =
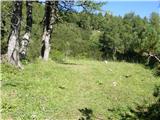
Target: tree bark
{"points": [[50, 16], [13, 41], [26, 38]]}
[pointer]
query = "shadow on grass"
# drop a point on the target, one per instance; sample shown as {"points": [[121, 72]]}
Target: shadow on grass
{"points": [[87, 114], [65, 63], [151, 112], [9, 84], [16, 84]]}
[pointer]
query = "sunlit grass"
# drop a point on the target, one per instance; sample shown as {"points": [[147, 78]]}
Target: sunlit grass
{"points": [[50, 90]]}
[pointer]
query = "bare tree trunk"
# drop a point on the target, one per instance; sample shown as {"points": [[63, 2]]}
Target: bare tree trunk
{"points": [[26, 38], [50, 14], [13, 41]]}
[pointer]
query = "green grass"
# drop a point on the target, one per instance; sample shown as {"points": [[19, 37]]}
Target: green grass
{"points": [[79, 88]]}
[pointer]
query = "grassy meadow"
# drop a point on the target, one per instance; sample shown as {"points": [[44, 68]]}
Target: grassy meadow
{"points": [[75, 89]]}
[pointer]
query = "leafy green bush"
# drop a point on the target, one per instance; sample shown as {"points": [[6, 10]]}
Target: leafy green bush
{"points": [[157, 70], [129, 37], [57, 56], [74, 41]]}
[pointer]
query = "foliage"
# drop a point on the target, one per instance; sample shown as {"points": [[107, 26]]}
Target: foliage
{"points": [[58, 56], [5, 24], [157, 70], [129, 37], [73, 41], [92, 35]]}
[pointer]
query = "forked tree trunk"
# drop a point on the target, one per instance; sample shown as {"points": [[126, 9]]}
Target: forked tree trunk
{"points": [[26, 38], [50, 14], [13, 41]]}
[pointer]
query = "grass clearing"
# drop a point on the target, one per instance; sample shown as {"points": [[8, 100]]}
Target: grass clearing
{"points": [[74, 90]]}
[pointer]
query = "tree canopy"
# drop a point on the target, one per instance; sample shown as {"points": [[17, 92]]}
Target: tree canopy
{"points": [[91, 34]]}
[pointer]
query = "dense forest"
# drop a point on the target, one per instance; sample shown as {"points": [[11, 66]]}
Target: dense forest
{"points": [[59, 31], [91, 35]]}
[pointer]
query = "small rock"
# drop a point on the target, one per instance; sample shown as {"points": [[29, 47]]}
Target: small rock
{"points": [[106, 61], [62, 87], [114, 83], [34, 116], [127, 76]]}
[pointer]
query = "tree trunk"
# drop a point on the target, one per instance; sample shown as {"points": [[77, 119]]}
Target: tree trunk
{"points": [[26, 38], [13, 41], [50, 14]]}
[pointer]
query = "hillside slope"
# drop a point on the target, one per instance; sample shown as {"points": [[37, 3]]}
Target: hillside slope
{"points": [[75, 90]]}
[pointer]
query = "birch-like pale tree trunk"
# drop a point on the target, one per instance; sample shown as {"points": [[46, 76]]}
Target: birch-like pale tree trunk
{"points": [[26, 38], [13, 41], [50, 15]]}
